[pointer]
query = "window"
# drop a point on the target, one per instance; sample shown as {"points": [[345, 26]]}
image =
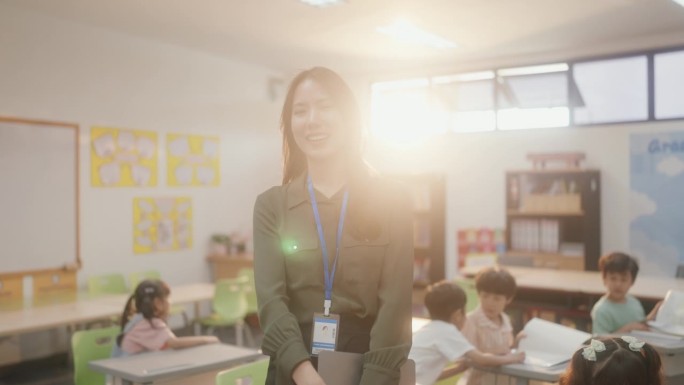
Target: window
{"points": [[466, 101], [533, 97], [669, 83], [613, 90], [402, 112]]}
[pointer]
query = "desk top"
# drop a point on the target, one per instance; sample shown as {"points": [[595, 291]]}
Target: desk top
{"points": [[85, 308], [528, 371], [586, 282], [156, 366]]}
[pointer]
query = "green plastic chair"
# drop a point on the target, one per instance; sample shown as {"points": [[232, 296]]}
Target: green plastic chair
{"points": [[230, 308], [107, 284], [136, 277], [89, 345], [253, 373], [468, 285], [250, 290]]}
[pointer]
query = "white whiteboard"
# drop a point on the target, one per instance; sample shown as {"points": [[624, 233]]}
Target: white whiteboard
{"points": [[38, 195]]}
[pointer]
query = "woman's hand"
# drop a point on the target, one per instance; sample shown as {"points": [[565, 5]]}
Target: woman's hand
{"points": [[305, 374]]}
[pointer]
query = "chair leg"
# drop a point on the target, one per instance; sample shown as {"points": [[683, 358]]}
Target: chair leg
{"points": [[249, 336], [238, 334]]}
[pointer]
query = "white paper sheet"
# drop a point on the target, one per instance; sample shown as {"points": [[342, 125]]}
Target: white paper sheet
{"points": [[548, 343]]}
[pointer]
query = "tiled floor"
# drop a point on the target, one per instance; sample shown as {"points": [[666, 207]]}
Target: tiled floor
{"points": [[57, 370]]}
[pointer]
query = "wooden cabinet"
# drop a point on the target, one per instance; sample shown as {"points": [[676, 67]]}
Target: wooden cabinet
{"points": [[228, 266], [553, 218], [428, 198]]}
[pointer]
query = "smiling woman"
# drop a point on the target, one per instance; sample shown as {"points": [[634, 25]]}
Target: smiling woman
{"points": [[331, 214]]}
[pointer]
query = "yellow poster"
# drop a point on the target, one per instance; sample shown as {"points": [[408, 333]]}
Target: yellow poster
{"points": [[192, 160], [161, 224], [120, 157]]}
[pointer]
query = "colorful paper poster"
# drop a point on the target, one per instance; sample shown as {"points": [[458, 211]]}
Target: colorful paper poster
{"points": [[161, 224], [120, 157], [193, 160], [479, 246], [657, 212]]}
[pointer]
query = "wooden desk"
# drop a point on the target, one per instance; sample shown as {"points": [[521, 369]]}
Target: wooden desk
{"points": [[671, 350], [148, 368], [570, 294], [586, 282], [28, 316]]}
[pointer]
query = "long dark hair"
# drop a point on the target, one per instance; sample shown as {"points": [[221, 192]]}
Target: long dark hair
{"points": [[142, 301], [618, 364], [294, 161], [363, 209]]}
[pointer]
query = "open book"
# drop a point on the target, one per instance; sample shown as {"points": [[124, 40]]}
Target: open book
{"points": [[548, 344], [670, 316]]}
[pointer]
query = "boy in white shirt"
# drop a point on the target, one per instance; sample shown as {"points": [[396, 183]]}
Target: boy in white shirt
{"points": [[440, 341]]}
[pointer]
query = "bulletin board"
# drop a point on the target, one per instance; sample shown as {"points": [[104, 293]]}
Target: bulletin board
{"points": [[39, 204]]}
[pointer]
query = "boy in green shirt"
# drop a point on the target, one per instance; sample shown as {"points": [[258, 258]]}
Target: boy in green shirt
{"points": [[617, 311]]}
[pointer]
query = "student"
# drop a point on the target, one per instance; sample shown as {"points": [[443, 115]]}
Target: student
{"points": [[614, 360], [332, 238], [487, 327], [143, 323], [440, 341], [617, 311]]}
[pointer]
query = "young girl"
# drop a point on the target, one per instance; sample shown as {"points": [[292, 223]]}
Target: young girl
{"points": [[614, 360], [142, 323]]}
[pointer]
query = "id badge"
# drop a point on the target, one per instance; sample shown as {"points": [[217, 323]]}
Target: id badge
{"points": [[325, 331]]}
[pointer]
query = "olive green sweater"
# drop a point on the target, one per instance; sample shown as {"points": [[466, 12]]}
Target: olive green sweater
{"points": [[374, 277]]}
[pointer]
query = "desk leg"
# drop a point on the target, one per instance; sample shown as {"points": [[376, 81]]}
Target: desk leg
{"points": [[195, 322]]}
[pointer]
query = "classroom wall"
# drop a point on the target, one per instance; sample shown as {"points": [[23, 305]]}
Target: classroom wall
{"points": [[58, 70], [475, 166]]}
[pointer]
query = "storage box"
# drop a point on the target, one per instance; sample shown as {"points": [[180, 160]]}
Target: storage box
{"points": [[552, 203]]}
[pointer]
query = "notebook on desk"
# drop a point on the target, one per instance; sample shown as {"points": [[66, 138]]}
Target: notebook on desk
{"points": [[670, 316], [341, 368], [548, 344]]}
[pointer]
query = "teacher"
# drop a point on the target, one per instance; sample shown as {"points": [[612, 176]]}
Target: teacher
{"points": [[333, 245]]}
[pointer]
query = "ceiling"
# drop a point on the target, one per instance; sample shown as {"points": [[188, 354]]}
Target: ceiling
{"points": [[286, 34]]}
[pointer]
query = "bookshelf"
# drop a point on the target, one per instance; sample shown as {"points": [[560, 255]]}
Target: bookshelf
{"points": [[553, 218], [428, 198]]}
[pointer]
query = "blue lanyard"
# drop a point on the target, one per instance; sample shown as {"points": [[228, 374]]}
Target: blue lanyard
{"points": [[327, 275]]}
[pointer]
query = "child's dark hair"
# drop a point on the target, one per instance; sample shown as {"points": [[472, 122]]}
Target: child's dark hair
{"points": [[495, 280], [618, 263], [621, 362], [142, 301], [443, 299]]}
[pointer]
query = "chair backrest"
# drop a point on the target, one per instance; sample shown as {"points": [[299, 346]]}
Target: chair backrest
{"points": [[250, 290], [89, 345], [107, 284], [253, 373], [136, 277], [468, 285], [229, 298]]}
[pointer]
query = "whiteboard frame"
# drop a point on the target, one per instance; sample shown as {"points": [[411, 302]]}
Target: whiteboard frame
{"points": [[76, 132]]}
